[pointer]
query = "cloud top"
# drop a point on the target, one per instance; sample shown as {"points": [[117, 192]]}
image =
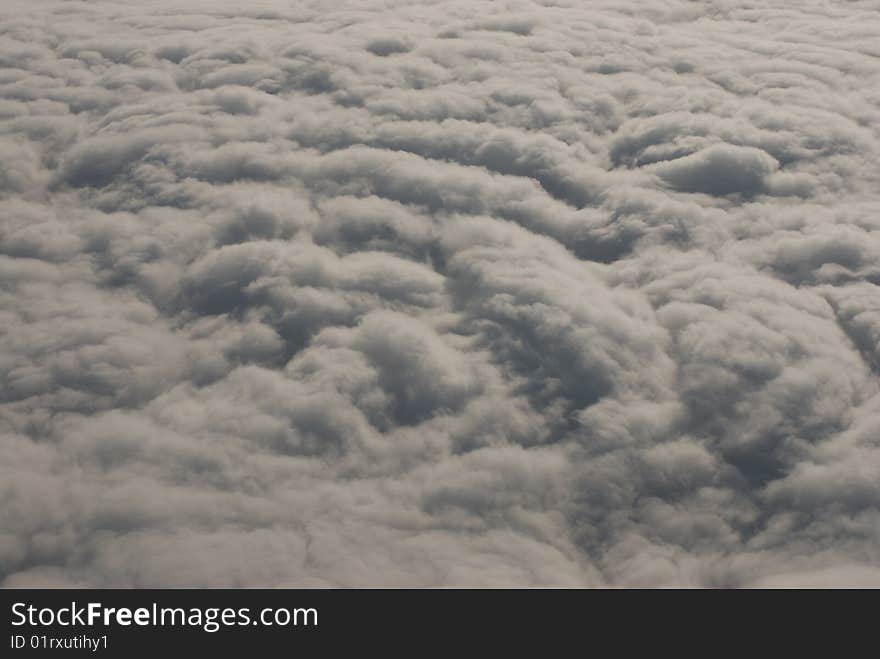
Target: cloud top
{"points": [[386, 294]]}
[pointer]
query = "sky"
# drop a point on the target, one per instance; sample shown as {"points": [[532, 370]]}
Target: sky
{"points": [[440, 293]]}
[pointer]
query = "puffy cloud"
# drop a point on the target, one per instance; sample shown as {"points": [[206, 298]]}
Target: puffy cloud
{"points": [[719, 170], [391, 294]]}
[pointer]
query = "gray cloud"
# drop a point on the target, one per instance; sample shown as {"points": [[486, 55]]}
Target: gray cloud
{"points": [[719, 170], [400, 294]]}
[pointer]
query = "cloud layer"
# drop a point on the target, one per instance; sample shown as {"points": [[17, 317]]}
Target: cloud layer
{"points": [[461, 293]]}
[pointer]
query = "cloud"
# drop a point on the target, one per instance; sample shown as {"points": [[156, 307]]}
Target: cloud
{"points": [[365, 294], [719, 170]]}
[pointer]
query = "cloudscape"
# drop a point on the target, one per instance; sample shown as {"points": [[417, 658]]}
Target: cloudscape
{"points": [[460, 293]]}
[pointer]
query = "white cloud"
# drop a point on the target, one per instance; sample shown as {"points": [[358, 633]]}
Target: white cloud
{"points": [[400, 294]]}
